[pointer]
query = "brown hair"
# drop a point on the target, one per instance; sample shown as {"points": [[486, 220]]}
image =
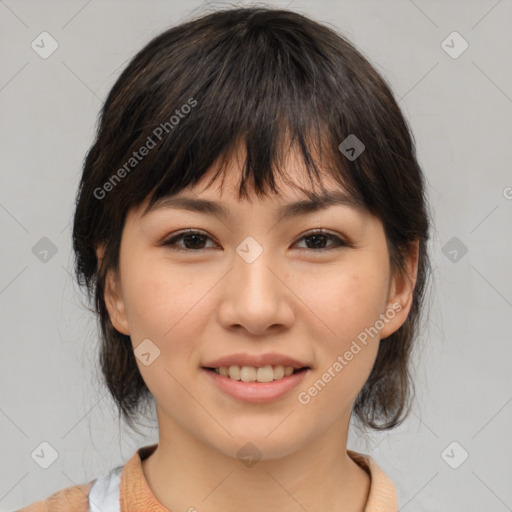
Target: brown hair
{"points": [[260, 76]]}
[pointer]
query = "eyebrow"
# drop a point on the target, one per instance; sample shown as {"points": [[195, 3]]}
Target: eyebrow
{"points": [[316, 202]]}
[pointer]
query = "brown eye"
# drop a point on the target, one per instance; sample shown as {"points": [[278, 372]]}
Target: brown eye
{"points": [[192, 240], [317, 240]]}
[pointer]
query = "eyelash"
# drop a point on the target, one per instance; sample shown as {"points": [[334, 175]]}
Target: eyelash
{"points": [[339, 243]]}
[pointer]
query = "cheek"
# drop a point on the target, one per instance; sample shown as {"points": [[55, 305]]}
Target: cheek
{"points": [[155, 296], [167, 306], [350, 305], [353, 298]]}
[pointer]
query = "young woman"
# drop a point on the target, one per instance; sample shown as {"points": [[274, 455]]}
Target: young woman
{"points": [[252, 227]]}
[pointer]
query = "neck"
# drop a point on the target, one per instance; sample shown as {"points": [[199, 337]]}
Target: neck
{"points": [[185, 473]]}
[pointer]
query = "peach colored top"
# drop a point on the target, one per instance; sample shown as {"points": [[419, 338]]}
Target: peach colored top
{"points": [[125, 489]]}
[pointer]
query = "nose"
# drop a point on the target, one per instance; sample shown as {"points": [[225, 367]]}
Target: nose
{"points": [[256, 297]]}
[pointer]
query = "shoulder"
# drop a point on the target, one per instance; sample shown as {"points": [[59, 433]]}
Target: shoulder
{"points": [[71, 499], [383, 495], [101, 494]]}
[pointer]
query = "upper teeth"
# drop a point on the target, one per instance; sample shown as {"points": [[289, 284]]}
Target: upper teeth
{"points": [[252, 374]]}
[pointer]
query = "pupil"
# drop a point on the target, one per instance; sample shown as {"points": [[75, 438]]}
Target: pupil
{"points": [[317, 243], [195, 237]]}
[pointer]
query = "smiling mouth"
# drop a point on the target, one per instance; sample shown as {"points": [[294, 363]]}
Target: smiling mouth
{"points": [[252, 374]]}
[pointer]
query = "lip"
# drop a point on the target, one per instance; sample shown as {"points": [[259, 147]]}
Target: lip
{"points": [[257, 360], [256, 392]]}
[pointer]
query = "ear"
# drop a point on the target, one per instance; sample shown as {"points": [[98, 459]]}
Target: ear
{"points": [[113, 297], [401, 292]]}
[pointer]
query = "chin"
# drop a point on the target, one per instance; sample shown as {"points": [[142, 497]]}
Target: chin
{"points": [[263, 442]]}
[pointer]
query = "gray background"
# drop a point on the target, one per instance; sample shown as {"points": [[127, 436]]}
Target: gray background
{"points": [[459, 110]]}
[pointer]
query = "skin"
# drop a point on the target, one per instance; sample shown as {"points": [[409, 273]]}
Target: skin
{"points": [[200, 304]]}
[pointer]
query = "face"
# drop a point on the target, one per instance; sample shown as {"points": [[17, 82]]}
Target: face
{"points": [[254, 283]]}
